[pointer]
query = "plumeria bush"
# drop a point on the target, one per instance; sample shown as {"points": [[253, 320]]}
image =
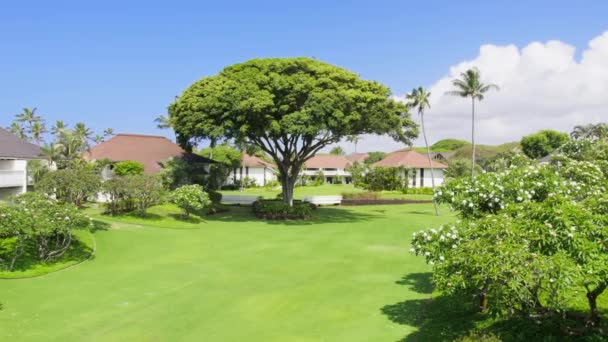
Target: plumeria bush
{"points": [[532, 240], [190, 198], [35, 222]]}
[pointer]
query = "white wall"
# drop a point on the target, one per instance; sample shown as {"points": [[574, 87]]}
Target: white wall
{"points": [[13, 177], [261, 175], [423, 178]]}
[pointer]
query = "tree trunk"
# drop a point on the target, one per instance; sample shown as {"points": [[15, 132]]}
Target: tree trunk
{"points": [[473, 137], [594, 315], [428, 154], [287, 186]]}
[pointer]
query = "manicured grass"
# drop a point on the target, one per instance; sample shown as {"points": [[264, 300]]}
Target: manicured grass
{"points": [[235, 279], [28, 265], [164, 216], [322, 190]]}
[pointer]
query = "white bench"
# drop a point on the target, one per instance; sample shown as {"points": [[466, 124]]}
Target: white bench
{"points": [[323, 200], [238, 199]]}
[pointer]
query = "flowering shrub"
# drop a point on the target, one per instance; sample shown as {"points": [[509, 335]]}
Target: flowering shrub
{"points": [[190, 198], [33, 219], [532, 237]]}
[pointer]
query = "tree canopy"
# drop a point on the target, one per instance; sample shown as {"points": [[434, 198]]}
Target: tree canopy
{"points": [[290, 107], [542, 143]]}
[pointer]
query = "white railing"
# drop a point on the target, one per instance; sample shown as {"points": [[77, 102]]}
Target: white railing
{"points": [[11, 178]]}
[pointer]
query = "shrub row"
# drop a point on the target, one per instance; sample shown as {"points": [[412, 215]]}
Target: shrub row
{"points": [[277, 210]]}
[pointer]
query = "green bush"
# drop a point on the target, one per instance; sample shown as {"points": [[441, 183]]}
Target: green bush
{"points": [[318, 179], [477, 336], [145, 191], [272, 184], [277, 210], [190, 198], [71, 185], [420, 191], [33, 219], [214, 196], [386, 178], [128, 168]]}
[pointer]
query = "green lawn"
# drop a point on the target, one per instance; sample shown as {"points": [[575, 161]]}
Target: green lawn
{"points": [[235, 279], [322, 190]]}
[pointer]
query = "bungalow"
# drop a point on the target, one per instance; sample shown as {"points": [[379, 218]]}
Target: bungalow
{"points": [[421, 176], [254, 168], [150, 150], [14, 155], [332, 166]]}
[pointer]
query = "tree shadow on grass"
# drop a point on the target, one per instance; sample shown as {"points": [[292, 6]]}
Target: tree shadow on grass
{"points": [[446, 318], [78, 251], [99, 226], [320, 215], [190, 219]]}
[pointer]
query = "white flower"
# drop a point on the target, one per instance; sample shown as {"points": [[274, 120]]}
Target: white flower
{"points": [[454, 246], [441, 258], [427, 253]]}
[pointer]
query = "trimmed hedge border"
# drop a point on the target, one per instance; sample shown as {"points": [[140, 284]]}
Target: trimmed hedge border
{"points": [[277, 210], [352, 202]]}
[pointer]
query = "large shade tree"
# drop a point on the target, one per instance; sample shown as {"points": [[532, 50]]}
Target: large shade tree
{"points": [[290, 108], [469, 85]]}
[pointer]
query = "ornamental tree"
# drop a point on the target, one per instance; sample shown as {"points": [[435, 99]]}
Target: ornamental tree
{"points": [[190, 198], [542, 143], [290, 108]]}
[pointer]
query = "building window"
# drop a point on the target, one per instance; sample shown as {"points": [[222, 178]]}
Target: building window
{"points": [[330, 169], [246, 171], [312, 169], [422, 178]]}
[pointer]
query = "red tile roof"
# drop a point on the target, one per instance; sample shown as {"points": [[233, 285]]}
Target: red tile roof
{"points": [[150, 150], [408, 158], [253, 161], [329, 161], [358, 157]]}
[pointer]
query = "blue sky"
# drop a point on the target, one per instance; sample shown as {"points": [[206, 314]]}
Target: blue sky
{"points": [[119, 64]]}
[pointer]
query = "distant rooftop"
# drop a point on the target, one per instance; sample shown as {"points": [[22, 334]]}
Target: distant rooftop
{"points": [[409, 158], [150, 150], [13, 147]]}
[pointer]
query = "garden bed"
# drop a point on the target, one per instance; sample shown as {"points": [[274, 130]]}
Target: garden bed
{"points": [[382, 201]]}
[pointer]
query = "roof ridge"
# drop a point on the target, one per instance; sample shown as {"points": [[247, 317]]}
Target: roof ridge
{"points": [[141, 135]]}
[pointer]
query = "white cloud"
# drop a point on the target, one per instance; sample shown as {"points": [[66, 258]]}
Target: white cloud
{"points": [[541, 86]]}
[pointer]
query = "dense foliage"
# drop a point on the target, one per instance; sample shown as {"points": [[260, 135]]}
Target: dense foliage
{"points": [[35, 221], [228, 157], [74, 185], [128, 168], [542, 143], [177, 172], [373, 157], [458, 168], [278, 210], [532, 237], [291, 108], [386, 178], [190, 198], [446, 145]]}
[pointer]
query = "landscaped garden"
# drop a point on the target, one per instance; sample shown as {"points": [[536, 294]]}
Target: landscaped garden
{"points": [[233, 277]]}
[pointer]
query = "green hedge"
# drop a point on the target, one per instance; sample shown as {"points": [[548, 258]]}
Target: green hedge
{"points": [[277, 210]]}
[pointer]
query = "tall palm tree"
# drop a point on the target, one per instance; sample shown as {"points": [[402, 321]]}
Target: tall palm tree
{"points": [[419, 99], [354, 139], [162, 122], [37, 131], [58, 127], [98, 139], [469, 85], [52, 152], [18, 130], [108, 132], [28, 116]]}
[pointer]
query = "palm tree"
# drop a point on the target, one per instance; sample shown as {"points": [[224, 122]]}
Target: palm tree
{"points": [[354, 139], [58, 127], [581, 131], [162, 122], [52, 152], [338, 151], [18, 130], [470, 85], [108, 132], [37, 130], [419, 99], [28, 116], [98, 139]]}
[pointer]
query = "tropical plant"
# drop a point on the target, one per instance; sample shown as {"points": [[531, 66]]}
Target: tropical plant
{"points": [[146, 190], [590, 131], [162, 122], [73, 185], [459, 168], [128, 168], [190, 198], [337, 151], [386, 178], [470, 85], [353, 139], [290, 108], [373, 157], [419, 99]]}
